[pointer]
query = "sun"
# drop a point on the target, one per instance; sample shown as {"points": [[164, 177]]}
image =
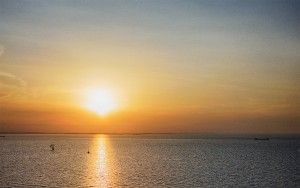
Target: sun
{"points": [[101, 101]]}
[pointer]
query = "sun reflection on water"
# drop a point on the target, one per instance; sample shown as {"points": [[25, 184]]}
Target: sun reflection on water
{"points": [[101, 155], [98, 161]]}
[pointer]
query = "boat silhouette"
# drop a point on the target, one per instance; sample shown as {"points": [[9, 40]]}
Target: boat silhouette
{"points": [[52, 147], [262, 138]]}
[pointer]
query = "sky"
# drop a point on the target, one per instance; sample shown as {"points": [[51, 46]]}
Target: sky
{"points": [[171, 66]]}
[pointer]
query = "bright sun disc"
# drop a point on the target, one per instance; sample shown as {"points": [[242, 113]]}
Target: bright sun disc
{"points": [[100, 101]]}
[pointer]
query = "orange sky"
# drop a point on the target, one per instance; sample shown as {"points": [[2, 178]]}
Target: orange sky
{"points": [[172, 67]]}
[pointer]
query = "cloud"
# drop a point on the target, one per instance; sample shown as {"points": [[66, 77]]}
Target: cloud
{"points": [[10, 84], [1, 50], [11, 80]]}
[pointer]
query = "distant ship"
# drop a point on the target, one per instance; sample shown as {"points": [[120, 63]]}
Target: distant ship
{"points": [[261, 138]]}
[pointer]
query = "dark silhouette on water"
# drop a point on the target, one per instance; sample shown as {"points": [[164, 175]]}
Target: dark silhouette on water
{"points": [[261, 138], [52, 147]]}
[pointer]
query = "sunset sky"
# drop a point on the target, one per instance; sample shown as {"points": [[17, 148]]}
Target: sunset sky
{"points": [[161, 66]]}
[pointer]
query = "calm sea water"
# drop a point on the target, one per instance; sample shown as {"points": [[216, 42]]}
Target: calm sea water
{"points": [[147, 161]]}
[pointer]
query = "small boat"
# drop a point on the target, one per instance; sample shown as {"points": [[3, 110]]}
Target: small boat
{"points": [[52, 147], [262, 138]]}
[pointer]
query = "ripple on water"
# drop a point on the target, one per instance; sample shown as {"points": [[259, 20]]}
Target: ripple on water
{"points": [[137, 161]]}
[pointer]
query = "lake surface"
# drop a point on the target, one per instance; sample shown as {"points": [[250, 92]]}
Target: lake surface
{"points": [[147, 161]]}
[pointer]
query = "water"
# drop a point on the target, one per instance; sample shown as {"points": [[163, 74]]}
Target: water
{"points": [[147, 161]]}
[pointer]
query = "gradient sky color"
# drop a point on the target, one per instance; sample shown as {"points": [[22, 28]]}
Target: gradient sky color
{"points": [[175, 66]]}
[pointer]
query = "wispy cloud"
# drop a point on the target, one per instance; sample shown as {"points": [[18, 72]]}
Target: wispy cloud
{"points": [[10, 84], [1, 50], [11, 80]]}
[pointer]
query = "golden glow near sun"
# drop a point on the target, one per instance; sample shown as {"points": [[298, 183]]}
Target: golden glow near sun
{"points": [[101, 101]]}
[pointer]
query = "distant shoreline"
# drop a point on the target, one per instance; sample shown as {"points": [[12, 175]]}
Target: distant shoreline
{"points": [[189, 135]]}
